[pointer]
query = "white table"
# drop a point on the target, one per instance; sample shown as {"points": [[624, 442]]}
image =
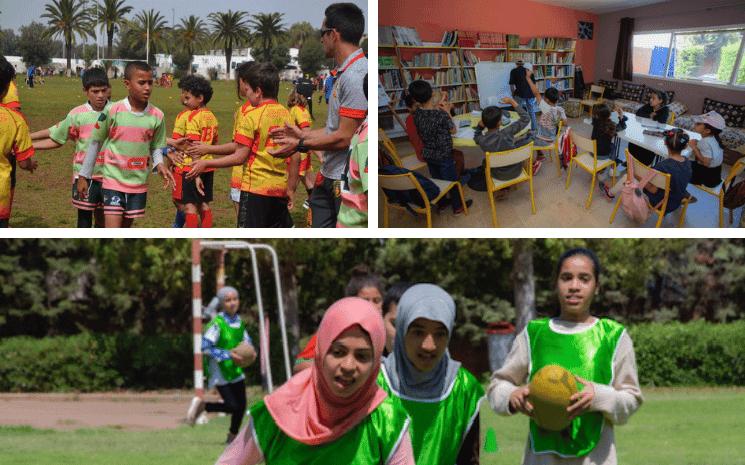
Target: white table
{"points": [[464, 136]]}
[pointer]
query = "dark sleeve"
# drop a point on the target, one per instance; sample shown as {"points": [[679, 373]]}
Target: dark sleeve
{"points": [[662, 115], [469, 450], [477, 134], [512, 76], [644, 111], [447, 120]]}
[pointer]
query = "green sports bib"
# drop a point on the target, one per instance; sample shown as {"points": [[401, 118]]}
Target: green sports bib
{"points": [[588, 354], [372, 441], [439, 426], [229, 339]]}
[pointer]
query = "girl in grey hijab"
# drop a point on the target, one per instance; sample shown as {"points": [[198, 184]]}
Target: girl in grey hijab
{"points": [[441, 397]]}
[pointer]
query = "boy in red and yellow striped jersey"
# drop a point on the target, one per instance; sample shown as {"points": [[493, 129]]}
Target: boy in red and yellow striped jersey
{"points": [[196, 123], [266, 188], [15, 145]]}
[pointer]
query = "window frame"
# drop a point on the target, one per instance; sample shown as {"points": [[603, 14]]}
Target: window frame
{"points": [[731, 85]]}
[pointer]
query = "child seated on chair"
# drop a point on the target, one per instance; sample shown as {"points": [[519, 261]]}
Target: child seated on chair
{"points": [[497, 139], [655, 110], [551, 114], [676, 165], [435, 127], [708, 153], [603, 131], [416, 142]]}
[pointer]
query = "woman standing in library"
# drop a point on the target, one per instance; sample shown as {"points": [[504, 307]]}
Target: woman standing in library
{"points": [[600, 354]]}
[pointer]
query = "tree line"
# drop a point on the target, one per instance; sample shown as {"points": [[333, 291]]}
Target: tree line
{"points": [[54, 287], [148, 32]]}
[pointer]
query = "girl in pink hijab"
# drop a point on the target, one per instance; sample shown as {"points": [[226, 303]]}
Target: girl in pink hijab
{"points": [[335, 412]]}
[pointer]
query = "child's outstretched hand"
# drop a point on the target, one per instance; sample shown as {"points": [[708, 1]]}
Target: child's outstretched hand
{"points": [[509, 100], [29, 164], [82, 188], [176, 157], [197, 168], [528, 72], [620, 112], [181, 143], [196, 149], [200, 186], [166, 174]]}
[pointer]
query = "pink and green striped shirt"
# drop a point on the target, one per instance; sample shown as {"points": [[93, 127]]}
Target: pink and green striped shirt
{"points": [[353, 211], [77, 127], [129, 138]]}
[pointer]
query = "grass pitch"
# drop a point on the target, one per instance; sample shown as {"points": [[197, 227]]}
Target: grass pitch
{"points": [[43, 199], [674, 426]]}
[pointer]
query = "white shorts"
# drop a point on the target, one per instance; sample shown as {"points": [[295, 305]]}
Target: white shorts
{"points": [[235, 194]]}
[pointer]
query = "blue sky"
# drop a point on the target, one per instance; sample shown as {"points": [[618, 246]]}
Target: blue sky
{"points": [[16, 13]]}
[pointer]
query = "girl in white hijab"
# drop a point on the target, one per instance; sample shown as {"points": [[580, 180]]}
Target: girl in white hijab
{"points": [[441, 397]]}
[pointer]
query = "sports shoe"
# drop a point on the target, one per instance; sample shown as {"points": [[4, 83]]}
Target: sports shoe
{"points": [[306, 204], [606, 191], [460, 211], [536, 167], [540, 157], [196, 409]]}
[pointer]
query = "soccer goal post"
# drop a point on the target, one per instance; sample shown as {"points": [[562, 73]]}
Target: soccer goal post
{"points": [[221, 249]]}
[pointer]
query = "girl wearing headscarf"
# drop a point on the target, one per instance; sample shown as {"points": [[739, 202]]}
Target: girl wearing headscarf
{"points": [[441, 397], [222, 364], [334, 412], [600, 354]]}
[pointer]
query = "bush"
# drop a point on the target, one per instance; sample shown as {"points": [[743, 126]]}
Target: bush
{"points": [[91, 362], [690, 354]]}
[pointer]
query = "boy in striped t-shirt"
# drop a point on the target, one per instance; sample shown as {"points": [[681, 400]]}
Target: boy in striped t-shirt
{"points": [[197, 123], [15, 145], [77, 126], [132, 131], [266, 188]]}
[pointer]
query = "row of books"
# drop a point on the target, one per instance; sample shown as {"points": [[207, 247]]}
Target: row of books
{"points": [[455, 94], [448, 77], [399, 96], [528, 57], [398, 35], [449, 39], [471, 93], [559, 71], [513, 40], [387, 61], [558, 57], [392, 79], [472, 106], [432, 60], [469, 75], [469, 59], [492, 39], [552, 43]]}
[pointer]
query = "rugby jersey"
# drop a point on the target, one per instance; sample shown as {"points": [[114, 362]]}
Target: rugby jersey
{"points": [[263, 174], [236, 177], [353, 210], [15, 142], [77, 127], [11, 98], [130, 137], [196, 125], [301, 118]]}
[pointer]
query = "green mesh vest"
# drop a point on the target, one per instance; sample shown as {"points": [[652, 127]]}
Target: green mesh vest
{"points": [[439, 426], [588, 354], [229, 339], [372, 441]]}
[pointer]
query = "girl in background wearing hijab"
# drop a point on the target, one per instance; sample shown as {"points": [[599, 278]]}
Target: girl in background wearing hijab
{"points": [[366, 286], [334, 412], [222, 364], [441, 397], [599, 350]]}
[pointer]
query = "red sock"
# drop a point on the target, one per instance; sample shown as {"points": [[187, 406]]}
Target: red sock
{"points": [[192, 220], [206, 218]]}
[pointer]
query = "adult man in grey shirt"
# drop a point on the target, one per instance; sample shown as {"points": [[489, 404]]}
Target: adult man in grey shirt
{"points": [[341, 32]]}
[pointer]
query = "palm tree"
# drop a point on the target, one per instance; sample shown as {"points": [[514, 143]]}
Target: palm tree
{"points": [[229, 30], [110, 16], [300, 32], [190, 35], [269, 31], [67, 18], [149, 24]]}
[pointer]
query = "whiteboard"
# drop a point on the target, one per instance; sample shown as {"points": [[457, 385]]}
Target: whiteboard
{"points": [[494, 82]]}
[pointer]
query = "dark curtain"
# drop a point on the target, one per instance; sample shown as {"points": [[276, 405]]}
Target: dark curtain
{"points": [[623, 68]]}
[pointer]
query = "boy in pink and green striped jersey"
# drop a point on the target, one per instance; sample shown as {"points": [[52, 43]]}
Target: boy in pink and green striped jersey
{"points": [[130, 131], [77, 126]]}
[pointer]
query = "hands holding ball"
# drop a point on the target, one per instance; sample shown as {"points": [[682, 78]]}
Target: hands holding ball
{"points": [[243, 355]]}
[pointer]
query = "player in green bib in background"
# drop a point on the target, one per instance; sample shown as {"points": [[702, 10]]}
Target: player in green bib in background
{"points": [[222, 364], [333, 413], [441, 397], [600, 354]]}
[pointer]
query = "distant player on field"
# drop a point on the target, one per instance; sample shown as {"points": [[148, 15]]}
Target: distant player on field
{"points": [[130, 131], [77, 126]]}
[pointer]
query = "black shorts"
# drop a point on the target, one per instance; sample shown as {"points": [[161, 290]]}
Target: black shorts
{"points": [[95, 195], [127, 204], [261, 211], [186, 191]]}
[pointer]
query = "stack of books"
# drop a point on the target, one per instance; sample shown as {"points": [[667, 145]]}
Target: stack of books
{"points": [[467, 38], [492, 40]]}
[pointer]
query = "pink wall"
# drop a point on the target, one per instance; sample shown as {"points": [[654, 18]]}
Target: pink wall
{"points": [[432, 18], [664, 16]]}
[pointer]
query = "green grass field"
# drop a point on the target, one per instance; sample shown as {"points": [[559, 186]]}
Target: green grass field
{"points": [[674, 426], [42, 199]]}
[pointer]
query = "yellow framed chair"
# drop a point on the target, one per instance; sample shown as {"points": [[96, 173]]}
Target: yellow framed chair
{"points": [[510, 157], [661, 181], [405, 182], [587, 159], [589, 103], [555, 146], [671, 118], [410, 161], [718, 191]]}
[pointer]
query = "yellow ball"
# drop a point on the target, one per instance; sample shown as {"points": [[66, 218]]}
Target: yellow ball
{"points": [[550, 390]]}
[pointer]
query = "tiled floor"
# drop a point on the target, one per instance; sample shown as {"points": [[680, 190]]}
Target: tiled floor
{"points": [[556, 207]]}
